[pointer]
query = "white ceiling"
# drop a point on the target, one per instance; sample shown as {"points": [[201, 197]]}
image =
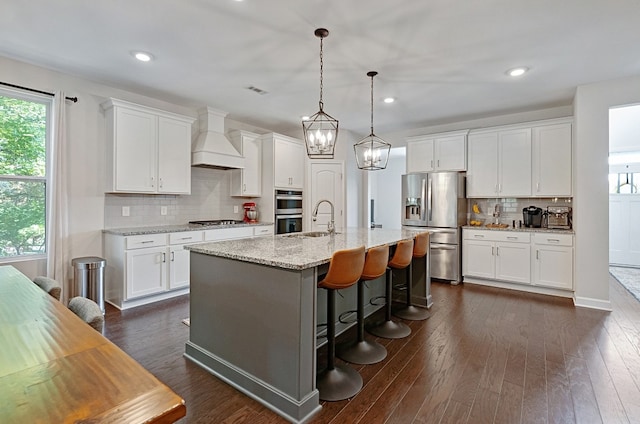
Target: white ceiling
{"points": [[444, 60]]}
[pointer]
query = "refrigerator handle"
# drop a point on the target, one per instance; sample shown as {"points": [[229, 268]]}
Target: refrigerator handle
{"points": [[423, 195], [430, 196]]}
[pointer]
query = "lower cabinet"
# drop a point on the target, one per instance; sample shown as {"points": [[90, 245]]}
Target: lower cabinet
{"points": [[552, 259], [496, 255], [146, 268], [531, 258]]}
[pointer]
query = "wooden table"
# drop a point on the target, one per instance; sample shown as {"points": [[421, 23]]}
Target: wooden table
{"points": [[54, 368]]}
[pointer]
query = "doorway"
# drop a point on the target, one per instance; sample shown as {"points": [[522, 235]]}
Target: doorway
{"points": [[624, 182], [385, 191]]}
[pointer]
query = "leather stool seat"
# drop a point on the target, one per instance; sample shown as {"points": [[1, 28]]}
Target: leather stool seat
{"points": [[408, 311]]}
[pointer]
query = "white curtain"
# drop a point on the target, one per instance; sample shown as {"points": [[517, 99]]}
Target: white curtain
{"points": [[57, 214]]}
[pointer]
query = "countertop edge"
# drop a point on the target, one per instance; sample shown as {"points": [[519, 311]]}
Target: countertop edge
{"points": [[166, 229], [523, 229]]}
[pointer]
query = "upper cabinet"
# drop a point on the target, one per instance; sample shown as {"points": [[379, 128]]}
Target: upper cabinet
{"points": [[499, 163], [528, 160], [149, 150], [551, 162], [284, 159], [247, 182], [437, 152]]}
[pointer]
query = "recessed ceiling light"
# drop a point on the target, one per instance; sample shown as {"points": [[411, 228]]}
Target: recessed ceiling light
{"points": [[142, 56], [389, 100], [516, 72]]}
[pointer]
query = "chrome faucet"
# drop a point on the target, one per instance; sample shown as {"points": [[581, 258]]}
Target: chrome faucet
{"points": [[331, 228]]}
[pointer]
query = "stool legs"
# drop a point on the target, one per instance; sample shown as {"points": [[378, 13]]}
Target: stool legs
{"points": [[362, 351], [389, 329], [409, 311], [336, 382]]}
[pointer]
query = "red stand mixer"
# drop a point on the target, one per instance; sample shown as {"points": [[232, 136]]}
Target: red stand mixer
{"points": [[250, 212]]}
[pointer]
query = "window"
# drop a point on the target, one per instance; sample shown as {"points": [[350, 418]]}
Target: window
{"points": [[24, 134]]}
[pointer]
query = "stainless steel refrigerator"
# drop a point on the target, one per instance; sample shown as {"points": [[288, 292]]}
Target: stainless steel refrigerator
{"points": [[438, 202]]}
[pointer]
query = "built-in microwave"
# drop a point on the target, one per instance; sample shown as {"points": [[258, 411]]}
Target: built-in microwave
{"points": [[288, 224], [288, 202]]}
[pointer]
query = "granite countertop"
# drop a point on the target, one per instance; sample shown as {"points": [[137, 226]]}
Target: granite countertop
{"points": [[291, 251], [160, 229], [523, 229]]}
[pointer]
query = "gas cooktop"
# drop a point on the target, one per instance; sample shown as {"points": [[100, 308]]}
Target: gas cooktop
{"points": [[217, 222]]}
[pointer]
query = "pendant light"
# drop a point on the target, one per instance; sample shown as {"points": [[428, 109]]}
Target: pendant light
{"points": [[320, 130], [372, 152]]}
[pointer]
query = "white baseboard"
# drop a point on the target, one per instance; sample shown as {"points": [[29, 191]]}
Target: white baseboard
{"points": [[588, 302]]}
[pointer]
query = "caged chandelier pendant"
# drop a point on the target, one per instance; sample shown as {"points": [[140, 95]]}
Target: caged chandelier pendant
{"points": [[372, 152], [320, 130]]}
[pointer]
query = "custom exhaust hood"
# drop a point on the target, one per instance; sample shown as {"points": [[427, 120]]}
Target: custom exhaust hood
{"points": [[212, 149]]}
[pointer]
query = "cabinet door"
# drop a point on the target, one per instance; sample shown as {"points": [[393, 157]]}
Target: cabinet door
{"points": [[451, 153], [174, 156], [288, 164], [420, 156], [513, 262], [553, 266], [179, 267], [551, 162], [146, 271], [252, 172], [135, 155], [514, 158], [482, 171], [478, 259]]}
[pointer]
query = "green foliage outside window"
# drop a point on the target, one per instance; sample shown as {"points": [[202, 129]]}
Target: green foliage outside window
{"points": [[23, 131]]}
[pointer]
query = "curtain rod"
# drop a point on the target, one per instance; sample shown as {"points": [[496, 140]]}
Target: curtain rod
{"points": [[73, 99]]}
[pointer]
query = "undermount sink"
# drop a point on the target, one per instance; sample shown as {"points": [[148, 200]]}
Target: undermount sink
{"points": [[310, 234]]}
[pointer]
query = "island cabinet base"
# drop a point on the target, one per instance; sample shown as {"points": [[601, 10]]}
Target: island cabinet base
{"points": [[254, 326]]}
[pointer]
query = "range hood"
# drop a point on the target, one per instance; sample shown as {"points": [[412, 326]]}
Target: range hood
{"points": [[212, 149]]}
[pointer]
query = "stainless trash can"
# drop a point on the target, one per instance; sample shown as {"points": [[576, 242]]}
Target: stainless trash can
{"points": [[88, 278]]}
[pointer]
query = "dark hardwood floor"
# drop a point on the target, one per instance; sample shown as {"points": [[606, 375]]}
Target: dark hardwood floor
{"points": [[486, 355]]}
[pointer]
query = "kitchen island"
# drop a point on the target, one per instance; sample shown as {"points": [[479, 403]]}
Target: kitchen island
{"points": [[255, 307]]}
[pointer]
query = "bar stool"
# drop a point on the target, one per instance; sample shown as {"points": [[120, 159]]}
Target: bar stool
{"points": [[338, 382], [390, 329], [410, 312], [362, 351]]}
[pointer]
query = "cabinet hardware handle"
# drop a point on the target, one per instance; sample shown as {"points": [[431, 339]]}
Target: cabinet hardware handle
{"points": [[512, 238], [244, 187], [492, 251], [164, 257], [538, 187], [537, 257], [553, 240], [499, 188], [160, 183], [431, 163], [478, 235], [497, 251], [152, 182], [186, 238], [438, 163], [146, 241], [172, 256]]}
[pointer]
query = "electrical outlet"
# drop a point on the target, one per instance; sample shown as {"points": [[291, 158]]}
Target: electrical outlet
{"points": [[235, 209], [125, 211], [163, 210]]}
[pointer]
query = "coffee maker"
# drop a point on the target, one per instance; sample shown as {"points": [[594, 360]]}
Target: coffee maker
{"points": [[250, 212], [532, 217]]}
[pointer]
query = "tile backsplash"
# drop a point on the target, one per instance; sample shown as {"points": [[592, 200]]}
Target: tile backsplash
{"points": [[209, 199], [511, 208]]}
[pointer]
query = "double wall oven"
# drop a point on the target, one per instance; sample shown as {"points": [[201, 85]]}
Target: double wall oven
{"points": [[288, 211]]}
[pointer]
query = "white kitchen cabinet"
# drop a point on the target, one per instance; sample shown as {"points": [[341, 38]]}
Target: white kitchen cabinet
{"points": [[438, 152], [263, 230], [247, 182], [552, 259], [146, 271], [499, 163], [178, 260], [283, 161], [497, 255], [149, 150], [551, 160]]}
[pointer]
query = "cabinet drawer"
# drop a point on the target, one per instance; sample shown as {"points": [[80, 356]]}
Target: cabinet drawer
{"points": [[186, 237], [554, 239], [228, 233], [149, 240], [493, 235], [263, 231]]}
